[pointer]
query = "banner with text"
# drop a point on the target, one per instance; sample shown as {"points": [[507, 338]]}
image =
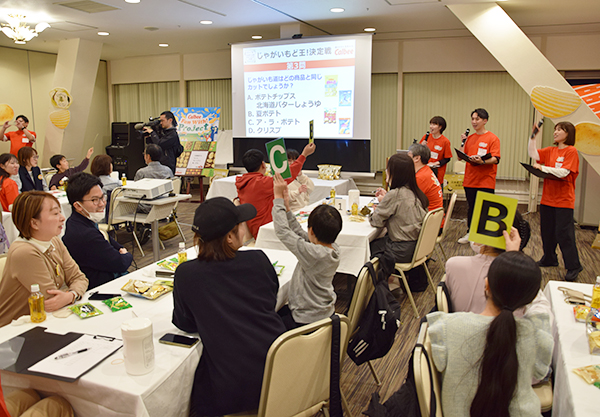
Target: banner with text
{"points": [[197, 128]]}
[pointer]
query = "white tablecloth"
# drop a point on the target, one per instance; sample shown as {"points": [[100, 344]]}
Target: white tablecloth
{"points": [[107, 390], [225, 187], [11, 231], [573, 397], [353, 239]]}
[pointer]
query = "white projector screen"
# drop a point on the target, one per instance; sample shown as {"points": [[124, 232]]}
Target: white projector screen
{"points": [[279, 86]]}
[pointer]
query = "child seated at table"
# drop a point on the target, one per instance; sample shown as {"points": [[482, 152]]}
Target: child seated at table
{"points": [[300, 189], [311, 295], [256, 188]]}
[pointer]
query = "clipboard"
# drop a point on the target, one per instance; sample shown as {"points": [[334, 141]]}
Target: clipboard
{"points": [[461, 155], [539, 173], [35, 345]]}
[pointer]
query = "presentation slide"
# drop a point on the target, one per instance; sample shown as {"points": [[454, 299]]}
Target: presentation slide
{"points": [[280, 86]]}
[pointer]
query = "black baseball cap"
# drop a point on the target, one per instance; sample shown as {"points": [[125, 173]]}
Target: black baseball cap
{"points": [[217, 216]]}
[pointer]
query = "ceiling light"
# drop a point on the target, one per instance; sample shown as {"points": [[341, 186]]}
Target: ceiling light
{"points": [[336, 10], [19, 31], [132, 1], [257, 37], [103, 33], [206, 22], [369, 29], [163, 45]]}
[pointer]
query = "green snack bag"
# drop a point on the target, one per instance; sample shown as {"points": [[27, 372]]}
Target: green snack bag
{"points": [[117, 303], [85, 310]]}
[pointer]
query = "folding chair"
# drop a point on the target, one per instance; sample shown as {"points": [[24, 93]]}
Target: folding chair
{"points": [[427, 378], [448, 217], [425, 246], [296, 378]]}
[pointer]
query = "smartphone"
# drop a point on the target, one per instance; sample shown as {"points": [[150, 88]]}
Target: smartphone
{"points": [[164, 274], [178, 340], [99, 297]]}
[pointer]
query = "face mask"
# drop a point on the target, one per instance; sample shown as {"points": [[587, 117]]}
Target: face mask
{"points": [[476, 247], [96, 217]]}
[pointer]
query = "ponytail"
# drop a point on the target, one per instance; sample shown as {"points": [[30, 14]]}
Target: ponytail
{"points": [[514, 280], [499, 369]]}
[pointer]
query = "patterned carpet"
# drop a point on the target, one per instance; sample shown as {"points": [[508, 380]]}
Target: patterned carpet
{"points": [[357, 383]]}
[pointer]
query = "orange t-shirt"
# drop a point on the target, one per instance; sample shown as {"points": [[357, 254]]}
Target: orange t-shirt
{"points": [[560, 193], [440, 149], [17, 139], [8, 193], [429, 184], [481, 176]]}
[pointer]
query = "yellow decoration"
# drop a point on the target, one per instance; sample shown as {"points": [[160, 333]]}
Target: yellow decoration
{"points": [[60, 98], [587, 138], [60, 118], [6, 113], [554, 103]]}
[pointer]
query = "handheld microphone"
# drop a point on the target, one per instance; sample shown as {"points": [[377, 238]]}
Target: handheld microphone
{"points": [[426, 136], [536, 129], [465, 139]]}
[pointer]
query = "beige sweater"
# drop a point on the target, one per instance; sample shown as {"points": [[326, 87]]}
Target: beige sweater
{"points": [[26, 264]]}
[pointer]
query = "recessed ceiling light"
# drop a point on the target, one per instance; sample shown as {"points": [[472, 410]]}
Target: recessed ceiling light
{"points": [[103, 33], [336, 10], [369, 29], [132, 1], [163, 45], [206, 22], [257, 37]]}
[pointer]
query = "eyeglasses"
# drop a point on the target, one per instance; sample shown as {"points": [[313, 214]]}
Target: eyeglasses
{"points": [[96, 200]]}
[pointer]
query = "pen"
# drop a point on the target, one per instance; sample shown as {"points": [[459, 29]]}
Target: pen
{"points": [[66, 355]]}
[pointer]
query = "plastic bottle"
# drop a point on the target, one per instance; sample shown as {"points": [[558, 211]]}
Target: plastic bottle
{"points": [[181, 253], [36, 304], [592, 322], [332, 196], [123, 179]]}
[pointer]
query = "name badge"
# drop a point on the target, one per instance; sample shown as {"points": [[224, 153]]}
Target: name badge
{"points": [[482, 145], [434, 155], [24, 139], [481, 152], [437, 147]]}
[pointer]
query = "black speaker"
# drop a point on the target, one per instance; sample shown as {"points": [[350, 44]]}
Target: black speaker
{"points": [[126, 149]]}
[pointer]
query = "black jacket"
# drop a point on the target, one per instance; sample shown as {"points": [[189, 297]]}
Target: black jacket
{"points": [[27, 184], [231, 304], [99, 259], [168, 140]]}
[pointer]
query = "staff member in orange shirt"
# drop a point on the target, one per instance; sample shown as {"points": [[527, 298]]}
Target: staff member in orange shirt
{"points": [[483, 148], [426, 179], [558, 198], [439, 145], [19, 138]]}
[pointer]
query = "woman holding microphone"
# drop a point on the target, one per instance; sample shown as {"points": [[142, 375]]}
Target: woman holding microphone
{"points": [[558, 197]]}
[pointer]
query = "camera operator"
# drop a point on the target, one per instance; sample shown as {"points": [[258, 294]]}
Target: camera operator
{"points": [[167, 138]]}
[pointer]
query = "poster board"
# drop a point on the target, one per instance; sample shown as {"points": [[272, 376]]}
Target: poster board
{"points": [[197, 128], [491, 215]]}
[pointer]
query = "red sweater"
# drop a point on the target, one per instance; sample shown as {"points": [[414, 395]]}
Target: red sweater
{"points": [[257, 189]]}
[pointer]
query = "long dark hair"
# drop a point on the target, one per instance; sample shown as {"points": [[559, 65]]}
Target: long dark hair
{"points": [[4, 159], [401, 170], [514, 280]]}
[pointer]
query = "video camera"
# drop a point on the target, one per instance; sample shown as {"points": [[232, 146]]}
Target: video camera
{"points": [[152, 122]]}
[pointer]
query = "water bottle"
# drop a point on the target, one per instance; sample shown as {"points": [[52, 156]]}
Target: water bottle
{"points": [[592, 321], [181, 253], [36, 305]]}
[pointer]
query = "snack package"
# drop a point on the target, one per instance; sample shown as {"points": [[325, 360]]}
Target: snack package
{"points": [[117, 303], [581, 312], [144, 289], [170, 264], [329, 172], [165, 282], [85, 310], [590, 373], [594, 341]]}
